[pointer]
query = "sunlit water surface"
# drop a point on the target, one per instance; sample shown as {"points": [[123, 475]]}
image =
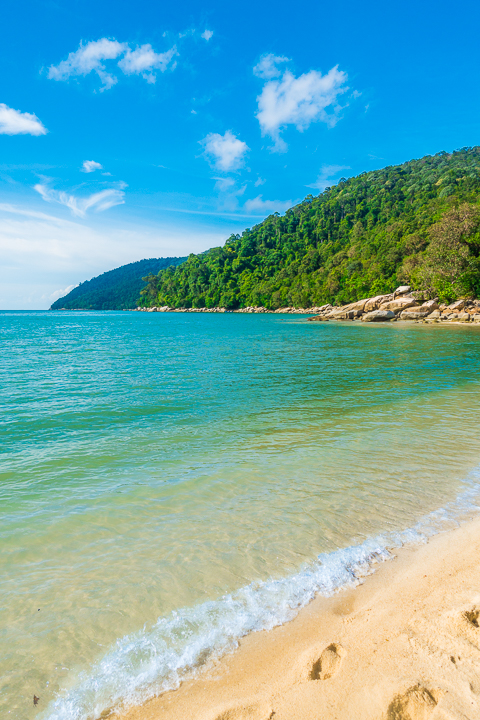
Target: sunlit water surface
{"points": [[154, 463]]}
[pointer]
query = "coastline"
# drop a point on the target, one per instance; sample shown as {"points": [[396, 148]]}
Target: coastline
{"points": [[401, 305], [403, 644]]}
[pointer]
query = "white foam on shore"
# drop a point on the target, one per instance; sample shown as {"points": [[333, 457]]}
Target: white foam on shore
{"points": [[149, 662]]}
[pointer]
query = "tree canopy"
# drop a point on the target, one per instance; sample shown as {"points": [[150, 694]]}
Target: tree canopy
{"points": [[415, 222], [117, 289]]}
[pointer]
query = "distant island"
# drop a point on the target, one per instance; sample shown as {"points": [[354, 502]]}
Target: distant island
{"points": [[117, 289], [417, 223]]}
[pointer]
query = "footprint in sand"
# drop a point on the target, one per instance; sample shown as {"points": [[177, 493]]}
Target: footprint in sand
{"points": [[471, 616], [466, 623], [328, 664], [417, 703], [257, 711]]}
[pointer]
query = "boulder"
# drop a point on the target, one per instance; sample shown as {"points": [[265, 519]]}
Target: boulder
{"points": [[402, 303], [375, 302], [428, 310], [318, 318], [456, 306], [430, 304], [378, 316], [415, 313], [463, 317], [348, 312], [402, 290]]}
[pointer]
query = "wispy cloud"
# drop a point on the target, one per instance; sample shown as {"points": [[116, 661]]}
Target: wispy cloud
{"points": [[90, 166], [327, 176], [99, 201], [60, 293], [91, 57], [259, 181], [207, 34], [228, 193], [42, 253], [144, 60], [226, 152], [267, 67], [264, 206], [299, 101], [14, 122]]}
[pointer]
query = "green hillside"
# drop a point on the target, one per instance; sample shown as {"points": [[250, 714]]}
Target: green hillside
{"points": [[117, 289], [417, 223]]}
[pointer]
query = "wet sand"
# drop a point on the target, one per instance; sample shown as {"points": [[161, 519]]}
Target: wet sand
{"points": [[404, 645]]}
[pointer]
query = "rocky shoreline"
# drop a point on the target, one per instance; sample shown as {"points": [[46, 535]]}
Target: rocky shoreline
{"points": [[403, 304]]}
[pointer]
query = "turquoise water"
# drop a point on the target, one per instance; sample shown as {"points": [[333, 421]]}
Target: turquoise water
{"points": [[168, 482]]}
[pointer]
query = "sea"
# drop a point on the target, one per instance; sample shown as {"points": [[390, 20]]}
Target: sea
{"points": [[170, 482]]}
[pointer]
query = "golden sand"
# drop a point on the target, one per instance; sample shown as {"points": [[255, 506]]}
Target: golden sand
{"points": [[405, 645]]}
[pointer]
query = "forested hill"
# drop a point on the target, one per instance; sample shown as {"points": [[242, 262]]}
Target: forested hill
{"points": [[117, 289], [416, 223]]}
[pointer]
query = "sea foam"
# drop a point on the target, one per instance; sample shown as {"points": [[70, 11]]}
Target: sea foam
{"points": [[151, 661]]}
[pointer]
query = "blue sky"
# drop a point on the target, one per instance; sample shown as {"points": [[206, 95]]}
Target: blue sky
{"points": [[131, 130]]}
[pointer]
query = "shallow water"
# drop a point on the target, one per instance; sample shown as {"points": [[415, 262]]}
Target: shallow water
{"points": [[153, 464]]}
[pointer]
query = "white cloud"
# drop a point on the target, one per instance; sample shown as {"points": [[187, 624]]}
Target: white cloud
{"points": [[226, 152], [228, 193], [224, 184], [144, 59], [42, 253], [207, 35], [259, 181], [326, 176], [14, 122], [90, 166], [100, 201], [258, 204], [300, 101], [60, 293], [89, 58], [267, 68]]}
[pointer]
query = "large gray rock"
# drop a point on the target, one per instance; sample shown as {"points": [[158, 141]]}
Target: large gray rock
{"points": [[348, 312], [456, 306], [402, 290], [430, 305], [378, 316], [419, 312], [375, 302], [402, 303]]}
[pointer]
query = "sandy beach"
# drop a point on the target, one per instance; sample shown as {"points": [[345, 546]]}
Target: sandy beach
{"points": [[404, 645]]}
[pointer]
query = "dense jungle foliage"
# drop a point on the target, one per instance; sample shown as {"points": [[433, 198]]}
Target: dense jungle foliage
{"points": [[417, 223], [117, 289]]}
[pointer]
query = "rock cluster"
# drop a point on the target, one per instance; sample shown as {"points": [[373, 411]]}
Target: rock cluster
{"points": [[402, 305], [399, 305]]}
